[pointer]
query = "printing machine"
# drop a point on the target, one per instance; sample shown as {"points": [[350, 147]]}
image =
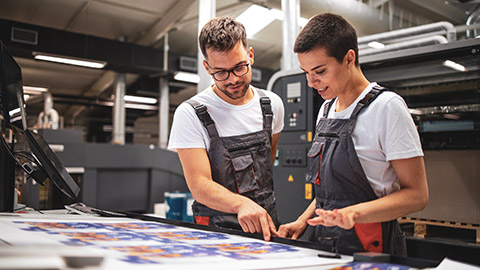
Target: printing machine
{"points": [[114, 177], [445, 105]]}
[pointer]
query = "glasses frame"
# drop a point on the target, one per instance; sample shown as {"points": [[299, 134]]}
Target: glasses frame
{"points": [[230, 71]]}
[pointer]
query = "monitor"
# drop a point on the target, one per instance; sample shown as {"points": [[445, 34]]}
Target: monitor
{"points": [[11, 90], [51, 165]]}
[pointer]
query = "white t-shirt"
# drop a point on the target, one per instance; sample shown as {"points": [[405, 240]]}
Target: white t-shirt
{"points": [[384, 131], [188, 132]]}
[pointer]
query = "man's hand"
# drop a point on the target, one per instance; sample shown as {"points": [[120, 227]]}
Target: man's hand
{"points": [[254, 219], [292, 230], [341, 218]]}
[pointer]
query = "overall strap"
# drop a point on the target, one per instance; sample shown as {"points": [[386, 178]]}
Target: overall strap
{"points": [[204, 116], [369, 98], [266, 110], [327, 108]]}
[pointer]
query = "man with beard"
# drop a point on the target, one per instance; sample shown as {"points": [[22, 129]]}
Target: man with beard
{"points": [[226, 137]]}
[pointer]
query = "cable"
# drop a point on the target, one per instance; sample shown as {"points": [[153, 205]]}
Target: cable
{"points": [[5, 144], [39, 175], [27, 156]]}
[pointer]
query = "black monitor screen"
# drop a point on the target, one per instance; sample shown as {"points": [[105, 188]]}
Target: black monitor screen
{"points": [[11, 87], [52, 166]]}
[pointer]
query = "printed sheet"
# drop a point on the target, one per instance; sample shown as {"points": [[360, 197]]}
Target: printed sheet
{"points": [[133, 244]]}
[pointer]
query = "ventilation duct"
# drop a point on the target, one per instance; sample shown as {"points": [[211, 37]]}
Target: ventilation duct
{"points": [[451, 34], [472, 19], [431, 40]]}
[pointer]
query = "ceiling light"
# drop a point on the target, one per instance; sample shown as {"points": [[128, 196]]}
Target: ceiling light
{"points": [[376, 45], [34, 90], [70, 61], [255, 18], [415, 111], [451, 116], [278, 14], [187, 77], [454, 65], [146, 100]]}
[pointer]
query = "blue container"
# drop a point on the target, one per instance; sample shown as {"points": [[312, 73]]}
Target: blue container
{"points": [[178, 206], [174, 205], [188, 212]]}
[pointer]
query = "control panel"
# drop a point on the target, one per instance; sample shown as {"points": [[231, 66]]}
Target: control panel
{"points": [[301, 105]]}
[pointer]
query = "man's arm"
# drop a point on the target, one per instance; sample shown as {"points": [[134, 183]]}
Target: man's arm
{"points": [[412, 197], [196, 168]]}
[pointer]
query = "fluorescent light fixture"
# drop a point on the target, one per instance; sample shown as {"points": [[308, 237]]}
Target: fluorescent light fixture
{"points": [[454, 65], [146, 100], [187, 77], [70, 61], [34, 90], [278, 14], [376, 45], [451, 116], [255, 18], [415, 111]]}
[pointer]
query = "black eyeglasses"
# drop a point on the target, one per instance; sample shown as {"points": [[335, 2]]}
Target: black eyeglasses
{"points": [[238, 71]]}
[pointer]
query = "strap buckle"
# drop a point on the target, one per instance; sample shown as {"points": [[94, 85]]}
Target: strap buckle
{"points": [[266, 105], [200, 108]]}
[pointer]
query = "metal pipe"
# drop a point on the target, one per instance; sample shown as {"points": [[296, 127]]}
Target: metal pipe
{"points": [[206, 11], [291, 13], [118, 136], [405, 45], [472, 19], [163, 108], [48, 102], [451, 33]]}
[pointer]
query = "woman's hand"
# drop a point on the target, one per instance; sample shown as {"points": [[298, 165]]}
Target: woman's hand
{"points": [[342, 218], [292, 230]]}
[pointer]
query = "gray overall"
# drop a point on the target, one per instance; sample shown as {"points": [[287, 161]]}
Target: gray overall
{"points": [[242, 164], [340, 181]]}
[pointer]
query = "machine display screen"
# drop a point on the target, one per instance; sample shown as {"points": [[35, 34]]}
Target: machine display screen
{"points": [[294, 90]]}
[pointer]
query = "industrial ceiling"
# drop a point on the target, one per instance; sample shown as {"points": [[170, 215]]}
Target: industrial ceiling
{"points": [[139, 28]]}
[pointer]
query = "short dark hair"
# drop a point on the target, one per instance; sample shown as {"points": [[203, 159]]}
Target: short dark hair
{"points": [[221, 34], [330, 31]]}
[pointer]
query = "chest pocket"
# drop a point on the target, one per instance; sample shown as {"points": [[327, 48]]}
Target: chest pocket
{"points": [[315, 155], [244, 173]]}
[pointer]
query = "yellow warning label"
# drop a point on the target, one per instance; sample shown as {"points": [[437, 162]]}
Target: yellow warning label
{"points": [[290, 178], [309, 136], [308, 191]]}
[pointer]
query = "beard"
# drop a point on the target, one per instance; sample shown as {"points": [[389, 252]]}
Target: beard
{"points": [[238, 94]]}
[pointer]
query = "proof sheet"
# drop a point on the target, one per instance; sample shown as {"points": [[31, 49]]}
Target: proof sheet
{"points": [[133, 244]]}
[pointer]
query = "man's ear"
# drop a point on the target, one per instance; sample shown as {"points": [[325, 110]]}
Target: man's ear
{"points": [[205, 65], [251, 55]]}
